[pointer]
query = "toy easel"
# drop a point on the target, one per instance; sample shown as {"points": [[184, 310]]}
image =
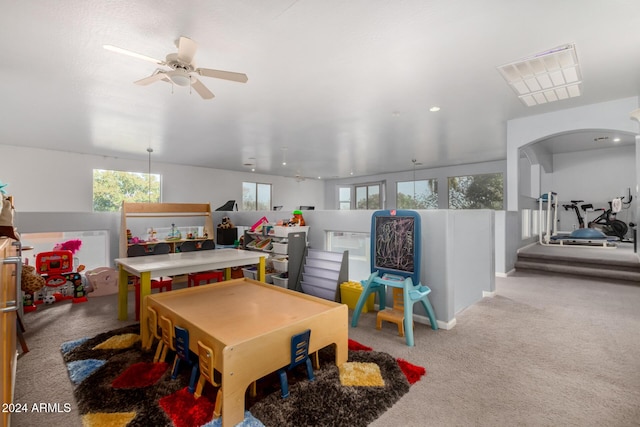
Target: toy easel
{"points": [[395, 261]]}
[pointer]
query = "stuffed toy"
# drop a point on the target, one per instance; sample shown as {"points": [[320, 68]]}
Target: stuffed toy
{"points": [[31, 281], [6, 218], [70, 245], [226, 223]]}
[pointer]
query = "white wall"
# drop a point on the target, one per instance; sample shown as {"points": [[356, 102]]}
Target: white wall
{"points": [[56, 181], [457, 261]]}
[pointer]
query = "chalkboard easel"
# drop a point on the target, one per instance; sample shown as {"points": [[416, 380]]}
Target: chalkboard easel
{"points": [[395, 243]]}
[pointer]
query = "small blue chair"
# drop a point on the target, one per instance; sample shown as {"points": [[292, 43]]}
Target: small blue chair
{"points": [[299, 355], [183, 354]]}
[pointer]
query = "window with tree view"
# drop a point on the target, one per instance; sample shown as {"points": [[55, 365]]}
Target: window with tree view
{"points": [[256, 196], [368, 196], [111, 188], [422, 194], [484, 191]]}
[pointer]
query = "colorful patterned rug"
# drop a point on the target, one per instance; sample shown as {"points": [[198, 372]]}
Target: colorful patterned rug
{"points": [[117, 384]]}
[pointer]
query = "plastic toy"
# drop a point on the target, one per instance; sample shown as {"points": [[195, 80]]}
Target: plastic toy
{"points": [[174, 234], [102, 281], [297, 220], [56, 267]]}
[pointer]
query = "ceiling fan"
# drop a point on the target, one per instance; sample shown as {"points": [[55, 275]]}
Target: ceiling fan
{"points": [[182, 70]]}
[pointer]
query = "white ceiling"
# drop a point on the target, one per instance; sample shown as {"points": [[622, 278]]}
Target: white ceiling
{"points": [[345, 86]]}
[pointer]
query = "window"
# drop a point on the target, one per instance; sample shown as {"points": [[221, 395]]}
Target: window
{"points": [[111, 188], [476, 191], [256, 196], [421, 194], [368, 196], [344, 198], [359, 246]]}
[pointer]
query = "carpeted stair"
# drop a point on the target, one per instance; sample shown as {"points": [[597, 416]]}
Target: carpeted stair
{"points": [[575, 263]]}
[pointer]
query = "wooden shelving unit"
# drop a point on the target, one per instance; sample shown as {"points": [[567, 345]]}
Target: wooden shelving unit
{"points": [[160, 210]]}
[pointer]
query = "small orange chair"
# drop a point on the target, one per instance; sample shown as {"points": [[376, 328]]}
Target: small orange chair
{"points": [[394, 314]]}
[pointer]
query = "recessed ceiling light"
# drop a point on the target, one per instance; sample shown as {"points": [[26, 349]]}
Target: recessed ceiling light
{"points": [[548, 76], [616, 139], [434, 109]]}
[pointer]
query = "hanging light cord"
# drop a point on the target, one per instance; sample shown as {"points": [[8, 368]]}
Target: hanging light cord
{"points": [[149, 150], [414, 181]]}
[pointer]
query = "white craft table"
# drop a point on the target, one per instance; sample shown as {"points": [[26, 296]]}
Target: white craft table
{"points": [[249, 325], [177, 264]]}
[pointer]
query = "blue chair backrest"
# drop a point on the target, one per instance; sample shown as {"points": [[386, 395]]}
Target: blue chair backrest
{"points": [[182, 343], [300, 348], [395, 243]]}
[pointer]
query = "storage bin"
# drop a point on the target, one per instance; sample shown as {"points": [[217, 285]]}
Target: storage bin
{"points": [[250, 273], [283, 282], [226, 236], [350, 293], [279, 248], [280, 264]]}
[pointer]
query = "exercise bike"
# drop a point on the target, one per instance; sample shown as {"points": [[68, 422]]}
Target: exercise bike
{"points": [[610, 225], [574, 207]]}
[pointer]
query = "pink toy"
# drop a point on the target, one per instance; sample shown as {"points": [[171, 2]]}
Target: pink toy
{"points": [[70, 245]]}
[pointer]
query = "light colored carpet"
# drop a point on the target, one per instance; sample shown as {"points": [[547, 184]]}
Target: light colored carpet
{"points": [[546, 351]]}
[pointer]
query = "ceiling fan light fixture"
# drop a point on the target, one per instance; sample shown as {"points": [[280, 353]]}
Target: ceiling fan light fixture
{"points": [[180, 79], [548, 76]]}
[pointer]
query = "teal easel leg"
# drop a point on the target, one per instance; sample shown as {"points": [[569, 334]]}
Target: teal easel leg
{"points": [[429, 309], [367, 287], [408, 311]]}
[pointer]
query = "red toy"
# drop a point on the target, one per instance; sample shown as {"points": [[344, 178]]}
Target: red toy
{"points": [[57, 269]]}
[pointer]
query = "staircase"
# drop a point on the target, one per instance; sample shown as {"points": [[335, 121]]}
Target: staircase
{"points": [[610, 264]]}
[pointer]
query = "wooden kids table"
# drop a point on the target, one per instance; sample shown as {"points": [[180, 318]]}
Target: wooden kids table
{"points": [[249, 325], [146, 267]]}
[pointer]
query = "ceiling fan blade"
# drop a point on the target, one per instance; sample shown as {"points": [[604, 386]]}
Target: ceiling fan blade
{"points": [[132, 53], [201, 89], [186, 49], [226, 75], [151, 79]]}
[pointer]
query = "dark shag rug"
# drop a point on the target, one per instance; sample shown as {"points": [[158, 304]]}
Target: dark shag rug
{"points": [[117, 384]]}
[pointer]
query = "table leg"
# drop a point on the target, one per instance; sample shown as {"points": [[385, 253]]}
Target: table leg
{"points": [[145, 289], [123, 293], [261, 269]]}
